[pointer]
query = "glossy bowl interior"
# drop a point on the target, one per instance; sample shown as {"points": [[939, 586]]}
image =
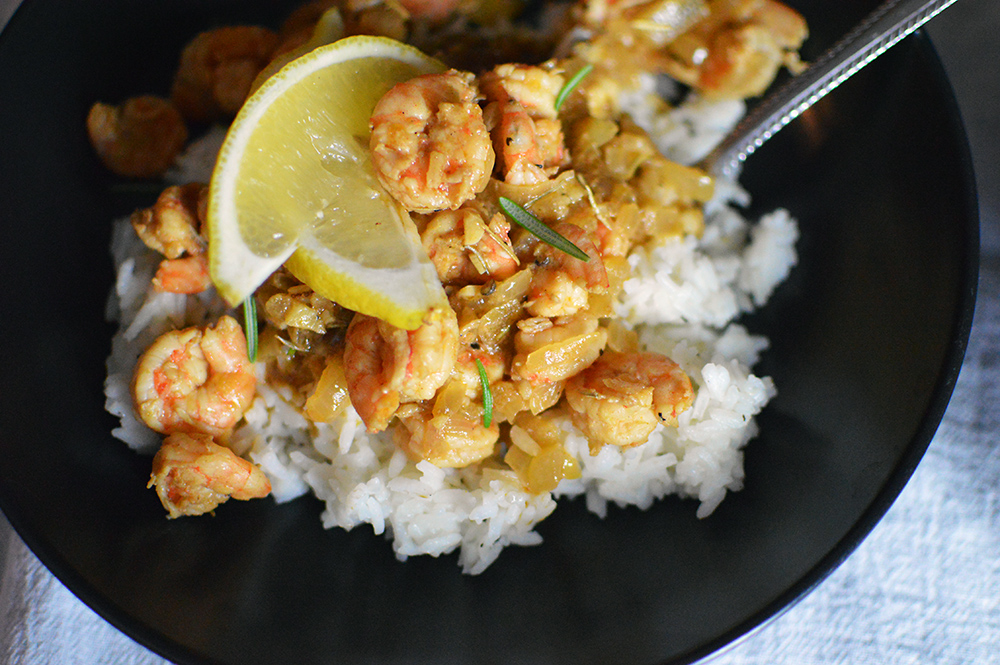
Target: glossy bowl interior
{"points": [[867, 339]]}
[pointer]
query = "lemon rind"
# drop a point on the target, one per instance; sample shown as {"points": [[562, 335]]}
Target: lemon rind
{"points": [[237, 271]]}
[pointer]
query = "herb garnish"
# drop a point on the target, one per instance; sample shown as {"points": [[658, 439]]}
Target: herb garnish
{"points": [[539, 229], [572, 83], [250, 324], [487, 395]]}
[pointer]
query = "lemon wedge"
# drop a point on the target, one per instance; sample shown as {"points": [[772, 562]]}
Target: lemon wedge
{"points": [[294, 185]]}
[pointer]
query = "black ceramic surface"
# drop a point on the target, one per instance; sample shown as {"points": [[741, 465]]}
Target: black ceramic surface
{"points": [[868, 335]]}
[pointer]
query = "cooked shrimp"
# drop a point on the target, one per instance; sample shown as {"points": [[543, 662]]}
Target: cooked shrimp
{"points": [[521, 115], [386, 366], [562, 284], [449, 433], [195, 380], [620, 398], [515, 141], [139, 139], [187, 275], [551, 144], [660, 19], [193, 474], [787, 26], [466, 372], [429, 144], [217, 70], [466, 250], [534, 88], [433, 10], [737, 51], [554, 350], [304, 18], [383, 19], [172, 225]]}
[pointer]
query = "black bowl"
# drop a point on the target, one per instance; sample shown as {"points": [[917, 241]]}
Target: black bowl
{"points": [[868, 335]]}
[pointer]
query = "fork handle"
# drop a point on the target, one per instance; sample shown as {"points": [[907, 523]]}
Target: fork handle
{"points": [[877, 33]]}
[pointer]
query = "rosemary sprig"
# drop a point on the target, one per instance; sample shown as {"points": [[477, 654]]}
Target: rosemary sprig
{"points": [[487, 395], [250, 325], [535, 226], [571, 84]]}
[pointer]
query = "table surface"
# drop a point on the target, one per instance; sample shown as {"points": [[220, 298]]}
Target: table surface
{"points": [[923, 588]]}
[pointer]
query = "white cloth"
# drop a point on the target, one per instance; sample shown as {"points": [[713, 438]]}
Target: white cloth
{"points": [[923, 589], [42, 622]]}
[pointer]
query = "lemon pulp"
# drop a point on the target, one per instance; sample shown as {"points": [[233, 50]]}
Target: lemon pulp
{"points": [[294, 185]]}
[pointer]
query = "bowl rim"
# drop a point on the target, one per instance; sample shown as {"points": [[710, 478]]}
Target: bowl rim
{"points": [[961, 326], [941, 393]]}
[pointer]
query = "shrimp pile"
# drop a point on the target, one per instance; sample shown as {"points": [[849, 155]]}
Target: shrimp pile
{"points": [[194, 385], [527, 319], [531, 344]]}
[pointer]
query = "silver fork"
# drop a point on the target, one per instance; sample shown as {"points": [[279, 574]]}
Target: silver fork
{"points": [[876, 34]]}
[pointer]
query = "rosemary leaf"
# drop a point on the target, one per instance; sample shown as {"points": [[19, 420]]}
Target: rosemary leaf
{"points": [[487, 395], [572, 83], [540, 230], [250, 324]]}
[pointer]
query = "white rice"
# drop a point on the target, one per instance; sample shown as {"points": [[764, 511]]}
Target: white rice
{"points": [[682, 299], [688, 132]]}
